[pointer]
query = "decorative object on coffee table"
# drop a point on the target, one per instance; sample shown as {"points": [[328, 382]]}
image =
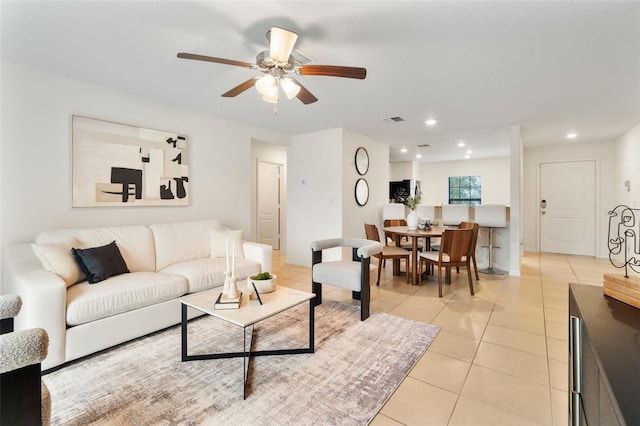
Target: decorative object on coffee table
{"points": [[224, 302], [230, 288], [624, 252], [264, 282], [257, 293]]}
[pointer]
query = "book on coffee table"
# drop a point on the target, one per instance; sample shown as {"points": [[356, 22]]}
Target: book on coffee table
{"points": [[224, 302]]}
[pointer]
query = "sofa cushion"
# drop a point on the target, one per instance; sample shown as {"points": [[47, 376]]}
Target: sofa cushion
{"points": [[100, 263], [90, 302], [226, 239], [58, 258], [204, 274], [135, 242], [182, 241]]}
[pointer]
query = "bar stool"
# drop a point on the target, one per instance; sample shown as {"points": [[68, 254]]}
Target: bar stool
{"points": [[426, 212], [491, 216], [453, 214]]}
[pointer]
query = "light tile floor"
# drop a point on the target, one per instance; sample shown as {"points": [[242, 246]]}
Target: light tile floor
{"points": [[500, 357]]}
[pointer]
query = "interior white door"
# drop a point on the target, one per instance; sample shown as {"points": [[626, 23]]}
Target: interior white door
{"points": [[567, 207], [268, 188]]}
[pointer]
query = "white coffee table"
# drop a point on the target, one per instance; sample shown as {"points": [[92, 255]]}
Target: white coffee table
{"points": [[249, 313]]}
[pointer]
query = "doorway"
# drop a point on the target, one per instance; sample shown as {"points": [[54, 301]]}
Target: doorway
{"points": [[268, 183], [567, 207]]}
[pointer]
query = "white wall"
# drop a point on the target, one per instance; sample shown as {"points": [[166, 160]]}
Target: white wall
{"points": [[321, 185], [401, 170], [35, 172], [314, 185], [493, 171], [604, 155], [276, 154], [628, 168]]}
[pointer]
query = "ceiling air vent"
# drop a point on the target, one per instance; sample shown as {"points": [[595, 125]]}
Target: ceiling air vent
{"points": [[424, 145], [393, 119]]}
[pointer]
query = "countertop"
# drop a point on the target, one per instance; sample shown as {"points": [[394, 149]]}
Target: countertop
{"points": [[614, 330]]}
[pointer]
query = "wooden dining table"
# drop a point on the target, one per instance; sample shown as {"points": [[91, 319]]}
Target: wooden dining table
{"points": [[414, 234]]}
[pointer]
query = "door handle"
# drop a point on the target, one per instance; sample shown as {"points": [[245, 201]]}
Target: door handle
{"points": [[543, 212]]}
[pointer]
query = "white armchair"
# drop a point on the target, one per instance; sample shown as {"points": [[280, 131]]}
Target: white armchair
{"points": [[353, 275]]}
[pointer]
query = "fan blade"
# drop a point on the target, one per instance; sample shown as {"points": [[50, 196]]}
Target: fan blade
{"points": [[333, 71], [240, 88], [304, 94], [281, 43], [216, 60]]}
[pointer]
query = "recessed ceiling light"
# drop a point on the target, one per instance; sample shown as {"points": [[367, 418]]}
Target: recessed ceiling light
{"points": [[571, 135], [460, 144], [431, 122], [466, 157], [403, 150], [418, 155], [469, 152]]}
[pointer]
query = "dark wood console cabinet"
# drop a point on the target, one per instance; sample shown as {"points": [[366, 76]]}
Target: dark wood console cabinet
{"points": [[604, 359]]}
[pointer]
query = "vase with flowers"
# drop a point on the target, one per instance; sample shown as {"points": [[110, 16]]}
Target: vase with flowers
{"points": [[412, 204]]}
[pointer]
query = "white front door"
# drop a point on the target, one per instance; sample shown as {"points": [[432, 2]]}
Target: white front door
{"points": [[268, 187], [567, 207]]}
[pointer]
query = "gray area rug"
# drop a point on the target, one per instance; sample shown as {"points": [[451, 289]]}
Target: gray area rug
{"points": [[354, 370]]}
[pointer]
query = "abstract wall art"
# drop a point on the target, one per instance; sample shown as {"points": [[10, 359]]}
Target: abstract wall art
{"points": [[120, 165], [624, 238]]}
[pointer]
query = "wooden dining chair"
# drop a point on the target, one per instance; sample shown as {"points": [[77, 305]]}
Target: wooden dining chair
{"points": [[388, 252], [472, 249], [455, 245], [390, 237]]}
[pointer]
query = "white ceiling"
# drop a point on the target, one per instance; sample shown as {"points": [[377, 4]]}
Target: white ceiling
{"points": [[477, 67]]}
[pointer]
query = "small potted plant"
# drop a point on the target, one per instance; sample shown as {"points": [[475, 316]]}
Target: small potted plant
{"points": [[265, 282]]}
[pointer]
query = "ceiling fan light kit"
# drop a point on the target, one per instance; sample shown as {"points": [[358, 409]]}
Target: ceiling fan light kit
{"points": [[272, 99], [267, 86], [290, 88], [276, 63]]}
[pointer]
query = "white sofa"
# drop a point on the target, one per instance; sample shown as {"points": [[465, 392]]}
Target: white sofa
{"points": [[165, 262]]}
